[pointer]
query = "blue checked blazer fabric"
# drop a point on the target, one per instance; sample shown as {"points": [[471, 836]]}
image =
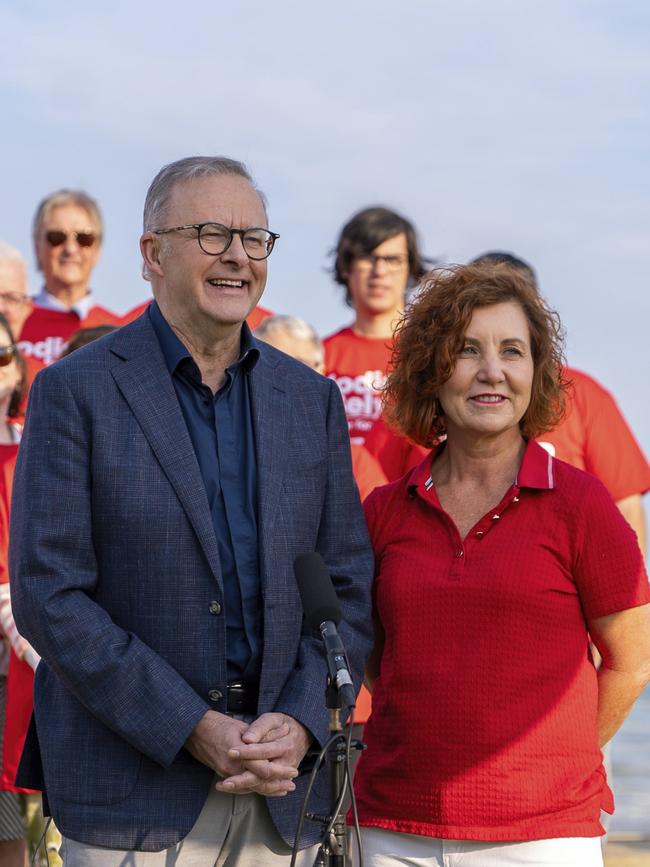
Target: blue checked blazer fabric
{"points": [[114, 565]]}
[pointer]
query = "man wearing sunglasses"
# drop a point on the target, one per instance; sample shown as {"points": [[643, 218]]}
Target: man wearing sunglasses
{"points": [[67, 241], [169, 475]]}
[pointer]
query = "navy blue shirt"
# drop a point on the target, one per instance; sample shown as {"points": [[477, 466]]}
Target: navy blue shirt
{"points": [[221, 429]]}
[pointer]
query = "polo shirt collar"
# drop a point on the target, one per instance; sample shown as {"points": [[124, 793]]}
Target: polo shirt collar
{"points": [[174, 350], [536, 470]]}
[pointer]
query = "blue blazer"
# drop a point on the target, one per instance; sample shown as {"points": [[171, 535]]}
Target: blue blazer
{"points": [[114, 564]]}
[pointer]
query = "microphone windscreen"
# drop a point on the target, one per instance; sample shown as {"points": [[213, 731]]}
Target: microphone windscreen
{"points": [[319, 601]]}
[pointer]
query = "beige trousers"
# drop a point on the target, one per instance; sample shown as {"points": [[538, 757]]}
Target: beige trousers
{"points": [[231, 831]]}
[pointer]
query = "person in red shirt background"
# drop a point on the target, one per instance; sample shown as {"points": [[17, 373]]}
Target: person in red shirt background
{"points": [[594, 435], [67, 234], [377, 260], [494, 562], [12, 386]]}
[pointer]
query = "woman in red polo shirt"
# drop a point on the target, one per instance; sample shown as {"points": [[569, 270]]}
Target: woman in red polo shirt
{"points": [[494, 562]]}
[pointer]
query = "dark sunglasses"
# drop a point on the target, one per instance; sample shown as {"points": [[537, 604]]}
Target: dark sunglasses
{"points": [[7, 354], [56, 237]]}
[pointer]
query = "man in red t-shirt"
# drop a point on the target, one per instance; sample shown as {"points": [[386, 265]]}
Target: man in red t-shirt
{"points": [[594, 436], [377, 260], [67, 241]]}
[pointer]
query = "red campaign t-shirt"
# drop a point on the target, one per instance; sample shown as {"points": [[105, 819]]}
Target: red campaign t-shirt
{"points": [[368, 473], [358, 365], [46, 332], [595, 437], [396, 454], [20, 680], [484, 712]]}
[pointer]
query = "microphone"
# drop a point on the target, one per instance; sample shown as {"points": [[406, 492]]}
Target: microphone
{"points": [[323, 612]]}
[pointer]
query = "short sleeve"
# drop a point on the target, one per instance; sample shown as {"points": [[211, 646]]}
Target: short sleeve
{"points": [[608, 567]]}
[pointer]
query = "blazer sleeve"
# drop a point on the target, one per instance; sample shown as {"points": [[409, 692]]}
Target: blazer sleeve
{"points": [[118, 678], [345, 547]]}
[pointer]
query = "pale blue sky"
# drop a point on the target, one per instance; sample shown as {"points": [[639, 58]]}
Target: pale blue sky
{"points": [[518, 125]]}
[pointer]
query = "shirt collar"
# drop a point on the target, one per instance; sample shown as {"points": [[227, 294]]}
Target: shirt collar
{"points": [[174, 350], [51, 302], [535, 471]]}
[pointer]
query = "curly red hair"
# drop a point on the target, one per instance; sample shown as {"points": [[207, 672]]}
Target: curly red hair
{"points": [[430, 335]]}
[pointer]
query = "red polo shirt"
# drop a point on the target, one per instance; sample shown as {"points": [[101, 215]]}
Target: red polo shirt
{"points": [[484, 713]]}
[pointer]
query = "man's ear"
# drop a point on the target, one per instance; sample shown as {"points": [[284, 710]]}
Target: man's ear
{"points": [[150, 249]]}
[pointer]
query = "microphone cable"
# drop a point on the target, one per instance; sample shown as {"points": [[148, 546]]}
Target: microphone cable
{"points": [[347, 782]]}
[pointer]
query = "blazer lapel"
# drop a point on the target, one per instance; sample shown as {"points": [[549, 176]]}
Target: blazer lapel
{"points": [[141, 375], [271, 424]]}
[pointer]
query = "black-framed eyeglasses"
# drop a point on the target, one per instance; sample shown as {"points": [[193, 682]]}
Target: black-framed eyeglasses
{"points": [[214, 239], [7, 354]]}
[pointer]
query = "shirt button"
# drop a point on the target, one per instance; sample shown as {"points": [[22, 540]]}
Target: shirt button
{"points": [[215, 695], [215, 607], [459, 553], [479, 534], [495, 517]]}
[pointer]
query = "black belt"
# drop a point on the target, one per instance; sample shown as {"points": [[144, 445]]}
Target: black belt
{"points": [[242, 698]]}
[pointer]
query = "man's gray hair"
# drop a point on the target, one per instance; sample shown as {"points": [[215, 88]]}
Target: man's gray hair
{"points": [[11, 254], [64, 197], [182, 171], [291, 325]]}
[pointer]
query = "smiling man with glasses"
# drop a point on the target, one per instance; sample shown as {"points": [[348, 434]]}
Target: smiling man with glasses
{"points": [[179, 691], [67, 240]]}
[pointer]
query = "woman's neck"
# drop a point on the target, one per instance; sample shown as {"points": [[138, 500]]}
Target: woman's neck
{"points": [[479, 460]]}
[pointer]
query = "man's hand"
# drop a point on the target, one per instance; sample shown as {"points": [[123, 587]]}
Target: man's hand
{"points": [[272, 744], [216, 742]]}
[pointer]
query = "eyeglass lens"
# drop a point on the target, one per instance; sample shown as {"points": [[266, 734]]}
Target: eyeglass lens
{"points": [[57, 237], [392, 263], [215, 239]]}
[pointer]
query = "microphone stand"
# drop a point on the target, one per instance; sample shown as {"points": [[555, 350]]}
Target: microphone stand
{"points": [[333, 849]]}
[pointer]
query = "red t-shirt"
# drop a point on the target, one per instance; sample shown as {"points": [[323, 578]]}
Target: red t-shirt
{"points": [[132, 314], [368, 473], [396, 454], [595, 437], [484, 712], [358, 365], [46, 332], [20, 680], [256, 316]]}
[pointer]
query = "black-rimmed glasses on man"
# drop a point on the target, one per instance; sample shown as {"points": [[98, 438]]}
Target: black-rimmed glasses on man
{"points": [[214, 239]]}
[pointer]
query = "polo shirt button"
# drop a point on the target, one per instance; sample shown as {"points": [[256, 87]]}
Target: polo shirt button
{"points": [[215, 695], [480, 534], [215, 607], [495, 517], [459, 553]]}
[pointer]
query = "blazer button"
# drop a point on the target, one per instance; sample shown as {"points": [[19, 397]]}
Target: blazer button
{"points": [[215, 695], [215, 607]]}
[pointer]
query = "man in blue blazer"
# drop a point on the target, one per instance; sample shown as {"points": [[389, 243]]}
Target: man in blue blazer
{"points": [[169, 474]]}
